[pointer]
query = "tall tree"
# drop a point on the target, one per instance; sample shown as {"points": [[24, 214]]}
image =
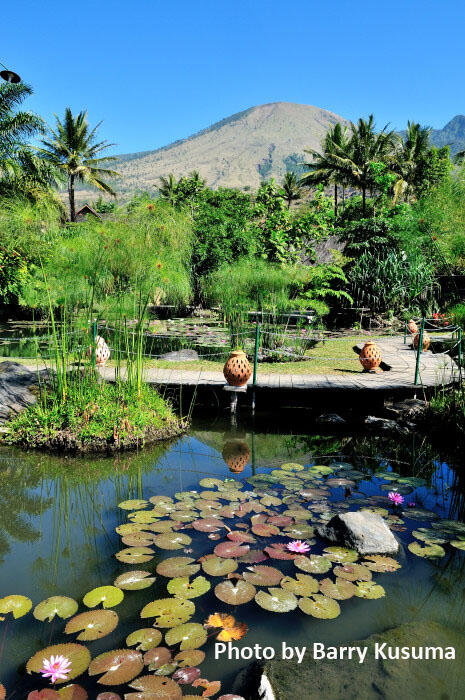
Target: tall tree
{"points": [[292, 190], [16, 127], [168, 189], [409, 158], [72, 148]]}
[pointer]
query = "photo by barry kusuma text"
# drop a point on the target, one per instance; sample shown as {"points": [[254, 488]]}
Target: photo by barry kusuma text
{"points": [[320, 652]]}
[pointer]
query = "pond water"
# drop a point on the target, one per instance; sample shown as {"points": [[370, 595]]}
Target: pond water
{"points": [[58, 518]]}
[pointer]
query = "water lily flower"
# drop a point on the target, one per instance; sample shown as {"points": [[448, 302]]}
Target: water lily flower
{"points": [[411, 504], [298, 546], [396, 498], [56, 668]]}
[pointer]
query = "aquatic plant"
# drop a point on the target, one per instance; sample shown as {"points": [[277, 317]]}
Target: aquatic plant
{"points": [[298, 546], [395, 498], [56, 668]]}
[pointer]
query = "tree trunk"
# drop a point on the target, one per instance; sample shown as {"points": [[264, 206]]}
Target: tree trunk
{"points": [[335, 199], [72, 206], [343, 198], [364, 197]]}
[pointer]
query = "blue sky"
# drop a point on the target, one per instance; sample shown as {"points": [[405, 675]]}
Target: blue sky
{"points": [[157, 71]]}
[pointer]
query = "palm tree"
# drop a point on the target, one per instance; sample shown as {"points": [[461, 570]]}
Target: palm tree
{"points": [[409, 158], [292, 191], [15, 127], [73, 149], [169, 188]]}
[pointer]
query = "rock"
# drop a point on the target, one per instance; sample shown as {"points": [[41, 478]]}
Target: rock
{"points": [[15, 383], [384, 425], [180, 356], [362, 530], [330, 419], [407, 411]]}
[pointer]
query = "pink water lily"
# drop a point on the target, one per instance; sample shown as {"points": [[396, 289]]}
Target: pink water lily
{"points": [[56, 668], [298, 546], [396, 498]]}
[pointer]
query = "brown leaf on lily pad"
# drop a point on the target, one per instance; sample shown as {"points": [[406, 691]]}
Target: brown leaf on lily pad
{"points": [[217, 566], [77, 654], [118, 666], [230, 629], [108, 696], [73, 692], [240, 537], [211, 687], [155, 687], [255, 556], [177, 566], [146, 638], [157, 657], [186, 676], [265, 530], [279, 551], [235, 593], [263, 575], [134, 580], [2, 692], [93, 624], [231, 550], [190, 657], [45, 694]]}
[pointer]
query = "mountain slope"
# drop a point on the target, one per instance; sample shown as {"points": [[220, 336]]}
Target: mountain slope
{"points": [[452, 134], [239, 151]]}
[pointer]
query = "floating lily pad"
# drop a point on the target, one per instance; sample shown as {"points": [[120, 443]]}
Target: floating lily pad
{"points": [[314, 564], [240, 536], [353, 572], [418, 514], [279, 551], [118, 666], [108, 696], [231, 550], [77, 654], [109, 596], [338, 483], [370, 590], [138, 539], [145, 516], [299, 531], [189, 636], [134, 580], [144, 638], [377, 562], [263, 575], [159, 500], [177, 566], [280, 520], [154, 687], [292, 467], [314, 494], [135, 555], [169, 612], [93, 624], [183, 587], [430, 536], [342, 555], [183, 516], [320, 606], [172, 540], [157, 658], [235, 593], [458, 544], [302, 585], [59, 605], [321, 469], [185, 676], [130, 528], [431, 551], [162, 526], [18, 605], [73, 692], [216, 566], [451, 526], [135, 504], [276, 600], [340, 589], [414, 481], [190, 657], [269, 500], [265, 530], [227, 626]]}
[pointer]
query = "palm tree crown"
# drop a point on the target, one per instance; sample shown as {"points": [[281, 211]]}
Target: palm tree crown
{"points": [[15, 127], [291, 188]]}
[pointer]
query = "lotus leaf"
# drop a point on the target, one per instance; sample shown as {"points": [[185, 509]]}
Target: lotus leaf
{"points": [[458, 544], [184, 588], [145, 517], [138, 539], [280, 520], [191, 657], [389, 476], [342, 555], [45, 694], [108, 696], [276, 600], [134, 504], [77, 654], [94, 624], [255, 556], [56, 605], [210, 483], [414, 481], [238, 536], [377, 562], [155, 688], [320, 606], [292, 467], [19, 605], [190, 636], [321, 469], [299, 532], [130, 528], [135, 555], [177, 566], [169, 612], [144, 638], [157, 658], [263, 576], [419, 514], [184, 516], [340, 589], [157, 500], [314, 564], [229, 550], [118, 666], [302, 585], [175, 540], [369, 589], [432, 551], [185, 676], [72, 692], [216, 566], [269, 500], [208, 524], [265, 530], [353, 572], [429, 535], [134, 580], [279, 551], [109, 596], [230, 629], [235, 593], [452, 526]]}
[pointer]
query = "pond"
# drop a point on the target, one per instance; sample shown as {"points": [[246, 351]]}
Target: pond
{"points": [[58, 518]]}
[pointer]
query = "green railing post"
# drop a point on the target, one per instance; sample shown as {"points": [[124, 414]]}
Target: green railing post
{"points": [[255, 363], [419, 350], [94, 342], [405, 332]]}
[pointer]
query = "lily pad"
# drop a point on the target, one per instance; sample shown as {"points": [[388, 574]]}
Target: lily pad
{"points": [[162, 526], [109, 596], [292, 467], [429, 535], [73, 692], [189, 636], [18, 605], [183, 587], [320, 606], [134, 580], [342, 555], [134, 504], [276, 600], [157, 658], [235, 593], [210, 483], [118, 666], [108, 696], [77, 654], [432, 551], [135, 555], [378, 562], [145, 516], [302, 585], [263, 575], [321, 469], [216, 566], [265, 530], [370, 590], [458, 544], [353, 572], [144, 638], [172, 540], [59, 605], [279, 551], [169, 612], [340, 589], [419, 514], [177, 566], [93, 624], [190, 657], [227, 627], [130, 528], [240, 536], [230, 550], [314, 564], [154, 687]]}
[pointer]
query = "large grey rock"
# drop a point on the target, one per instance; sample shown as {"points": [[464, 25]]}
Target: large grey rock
{"points": [[361, 530], [384, 425], [180, 356], [15, 383], [330, 419]]}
